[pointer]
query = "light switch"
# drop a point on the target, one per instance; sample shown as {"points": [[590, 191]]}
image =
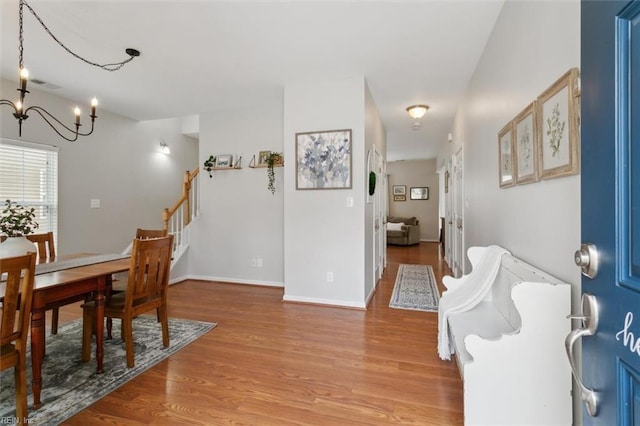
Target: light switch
{"points": [[349, 201], [95, 203]]}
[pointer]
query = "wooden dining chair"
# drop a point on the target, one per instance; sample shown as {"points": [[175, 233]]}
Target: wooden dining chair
{"points": [[14, 323], [146, 290], [46, 249]]}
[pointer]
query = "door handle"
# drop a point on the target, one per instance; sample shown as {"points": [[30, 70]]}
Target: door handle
{"points": [[589, 318]]}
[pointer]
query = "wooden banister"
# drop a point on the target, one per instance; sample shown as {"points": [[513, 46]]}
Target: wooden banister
{"points": [[184, 202]]}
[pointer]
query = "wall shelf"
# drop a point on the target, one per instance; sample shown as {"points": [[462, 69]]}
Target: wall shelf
{"points": [[253, 165]]}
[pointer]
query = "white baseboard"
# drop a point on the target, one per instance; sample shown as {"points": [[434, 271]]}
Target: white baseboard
{"points": [[318, 301], [227, 280]]}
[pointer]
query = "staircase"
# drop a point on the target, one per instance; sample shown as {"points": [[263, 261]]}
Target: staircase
{"points": [[176, 220]]}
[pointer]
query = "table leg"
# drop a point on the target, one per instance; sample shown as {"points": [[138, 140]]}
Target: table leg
{"points": [[37, 353], [99, 302]]}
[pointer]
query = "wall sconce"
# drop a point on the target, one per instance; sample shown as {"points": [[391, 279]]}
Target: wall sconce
{"points": [[164, 148]]}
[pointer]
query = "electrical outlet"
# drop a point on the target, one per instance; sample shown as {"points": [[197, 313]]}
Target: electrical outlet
{"points": [[259, 262], [254, 262], [329, 277]]}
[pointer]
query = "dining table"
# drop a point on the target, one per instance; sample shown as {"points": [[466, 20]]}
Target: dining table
{"points": [[64, 280]]}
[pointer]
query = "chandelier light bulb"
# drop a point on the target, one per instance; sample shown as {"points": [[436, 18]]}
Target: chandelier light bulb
{"points": [[19, 106], [24, 74]]}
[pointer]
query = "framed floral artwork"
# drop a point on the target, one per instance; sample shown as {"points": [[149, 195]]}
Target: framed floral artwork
{"points": [[505, 156], [525, 134], [323, 160], [557, 109], [420, 193]]}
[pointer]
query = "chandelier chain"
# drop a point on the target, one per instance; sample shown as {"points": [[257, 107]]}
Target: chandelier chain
{"points": [[107, 67], [21, 42]]}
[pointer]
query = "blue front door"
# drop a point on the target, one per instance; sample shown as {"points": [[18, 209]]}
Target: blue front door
{"points": [[610, 123]]}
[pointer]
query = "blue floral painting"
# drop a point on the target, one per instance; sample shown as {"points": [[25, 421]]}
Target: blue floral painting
{"points": [[323, 160]]}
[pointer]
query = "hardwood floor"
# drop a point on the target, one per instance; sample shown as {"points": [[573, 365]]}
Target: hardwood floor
{"points": [[274, 363]]}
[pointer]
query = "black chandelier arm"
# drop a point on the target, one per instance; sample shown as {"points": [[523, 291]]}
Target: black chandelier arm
{"points": [[107, 67], [44, 114]]}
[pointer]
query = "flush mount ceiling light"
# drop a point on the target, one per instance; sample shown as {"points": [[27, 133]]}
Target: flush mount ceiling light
{"points": [[19, 110], [417, 111]]}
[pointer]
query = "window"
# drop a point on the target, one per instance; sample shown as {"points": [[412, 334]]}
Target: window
{"points": [[29, 176]]}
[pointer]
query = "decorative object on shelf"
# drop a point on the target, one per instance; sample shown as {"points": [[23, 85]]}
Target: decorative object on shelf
{"points": [[21, 113], [558, 109], [224, 161], [420, 193], [505, 156], [272, 160], [210, 164], [262, 157], [417, 112], [16, 222], [323, 160], [372, 183]]}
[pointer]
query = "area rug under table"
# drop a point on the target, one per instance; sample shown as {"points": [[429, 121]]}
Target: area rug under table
{"points": [[415, 289], [70, 386]]}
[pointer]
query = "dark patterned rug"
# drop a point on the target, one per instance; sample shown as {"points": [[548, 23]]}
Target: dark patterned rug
{"points": [[69, 386], [415, 289]]}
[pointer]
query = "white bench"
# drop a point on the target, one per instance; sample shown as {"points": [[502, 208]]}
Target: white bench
{"points": [[510, 347]]}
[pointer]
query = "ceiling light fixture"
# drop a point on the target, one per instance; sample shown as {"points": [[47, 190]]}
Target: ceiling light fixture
{"points": [[417, 111], [19, 110]]}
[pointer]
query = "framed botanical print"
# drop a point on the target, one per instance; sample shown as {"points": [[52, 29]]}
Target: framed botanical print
{"points": [[505, 156], [399, 190], [525, 134], [557, 108]]}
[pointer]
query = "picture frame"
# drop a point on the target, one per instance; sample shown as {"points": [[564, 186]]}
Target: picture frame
{"points": [[262, 157], [525, 145], [399, 198], [505, 156], [399, 190], [419, 193], [224, 160], [558, 127], [323, 160]]}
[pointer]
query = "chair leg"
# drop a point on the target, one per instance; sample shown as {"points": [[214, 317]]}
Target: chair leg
{"points": [[109, 327], [22, 411], [87, 333], [127, 328], [164, 319], [54, 321]]}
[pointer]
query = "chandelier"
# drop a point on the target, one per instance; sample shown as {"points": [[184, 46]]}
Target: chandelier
{"points": [[21, 111]]}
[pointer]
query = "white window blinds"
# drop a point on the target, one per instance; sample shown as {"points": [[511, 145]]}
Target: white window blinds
{"points": [[29, 176]]}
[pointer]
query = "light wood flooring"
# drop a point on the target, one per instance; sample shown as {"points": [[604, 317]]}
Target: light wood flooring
{"points": [[274, 363]]}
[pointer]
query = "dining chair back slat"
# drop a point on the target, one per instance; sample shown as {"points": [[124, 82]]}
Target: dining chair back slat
{"points": [[45, 245], [14, 323]]}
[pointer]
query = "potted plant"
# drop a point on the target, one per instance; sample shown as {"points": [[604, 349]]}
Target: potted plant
{"points": [[210, 164], [16, 222], [273, 159]]}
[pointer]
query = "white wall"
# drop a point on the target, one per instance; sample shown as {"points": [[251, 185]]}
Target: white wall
{"points": [[322, 234], [416, 173], [539, 222], [240, 218], [120, 164], [533, 43]]}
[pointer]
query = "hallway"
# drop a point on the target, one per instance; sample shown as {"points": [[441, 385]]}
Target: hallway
{"points": [[275, 363]]}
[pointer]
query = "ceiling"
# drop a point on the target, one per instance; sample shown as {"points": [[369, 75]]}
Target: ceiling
{"points": [[205, 56]]}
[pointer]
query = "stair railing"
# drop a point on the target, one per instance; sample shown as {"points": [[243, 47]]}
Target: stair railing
{"points": [[176, 218]]}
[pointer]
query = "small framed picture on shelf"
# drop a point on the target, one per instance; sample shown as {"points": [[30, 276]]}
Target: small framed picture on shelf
{"points": [[224, 160], [399, 198], [262, 157], [399, 190]]}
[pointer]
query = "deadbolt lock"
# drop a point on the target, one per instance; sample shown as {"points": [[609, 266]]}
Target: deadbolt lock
{"points": [[587, 259]]}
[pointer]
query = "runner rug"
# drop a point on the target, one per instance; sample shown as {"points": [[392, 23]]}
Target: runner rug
{"points": [[70, 386], [415, 289]]}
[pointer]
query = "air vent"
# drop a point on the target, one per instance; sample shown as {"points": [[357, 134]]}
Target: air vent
{"points": [[44, 84]]}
